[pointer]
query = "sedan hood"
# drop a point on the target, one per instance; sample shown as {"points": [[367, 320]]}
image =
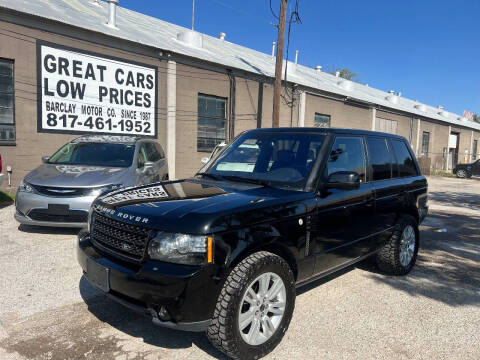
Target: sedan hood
{"points": [[58, 175], [198, 207]]}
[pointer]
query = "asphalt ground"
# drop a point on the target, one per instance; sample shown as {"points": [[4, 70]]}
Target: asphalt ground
{"points": [[48, 311]]}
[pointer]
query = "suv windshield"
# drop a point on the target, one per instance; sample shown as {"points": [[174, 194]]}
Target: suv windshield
{"points": [[94, 154], [275, 158]]}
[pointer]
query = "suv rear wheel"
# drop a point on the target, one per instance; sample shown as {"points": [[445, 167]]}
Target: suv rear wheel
{"points": [[254, 308], [399, 254]]}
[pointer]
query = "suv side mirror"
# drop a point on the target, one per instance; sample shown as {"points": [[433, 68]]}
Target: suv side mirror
{"points": [[205, 160], [344, 180], [45, 159]]}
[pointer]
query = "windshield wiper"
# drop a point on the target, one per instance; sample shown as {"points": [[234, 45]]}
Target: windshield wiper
{"points": [[211, 176], [247, 180]]}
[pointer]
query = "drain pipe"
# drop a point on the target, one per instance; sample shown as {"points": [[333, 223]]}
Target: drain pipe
{"points": [[112, 13]]}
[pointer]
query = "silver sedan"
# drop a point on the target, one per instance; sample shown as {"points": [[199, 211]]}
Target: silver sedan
{"points": [[60, 191]]}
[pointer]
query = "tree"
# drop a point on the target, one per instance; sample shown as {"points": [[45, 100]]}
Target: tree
{"points": [[345, 73], [476, 118]]}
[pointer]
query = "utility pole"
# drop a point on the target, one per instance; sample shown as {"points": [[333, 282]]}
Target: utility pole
{"points": [[193, 15], [278, 66]]}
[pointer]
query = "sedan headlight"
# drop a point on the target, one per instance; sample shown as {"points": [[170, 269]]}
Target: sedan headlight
{"points": [[181, 248], [25, 187], [104, 189]]}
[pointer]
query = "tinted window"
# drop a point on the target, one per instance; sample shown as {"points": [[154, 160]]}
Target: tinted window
{"points": [[379, 158], [94, 154], [347, 155], [142, 157], [282, 159], [406, 165], [151, 152]]}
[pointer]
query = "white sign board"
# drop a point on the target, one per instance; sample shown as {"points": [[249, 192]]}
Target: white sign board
{"points": [[452, 141], [80, 92]]}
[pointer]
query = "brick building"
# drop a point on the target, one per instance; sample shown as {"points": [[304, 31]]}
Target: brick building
{"points": [[85, 66]]}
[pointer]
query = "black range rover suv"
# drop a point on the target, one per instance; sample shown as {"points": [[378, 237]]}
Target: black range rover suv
{"points": [[224, 251]]}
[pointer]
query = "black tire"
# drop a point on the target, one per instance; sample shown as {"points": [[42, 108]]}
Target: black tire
{"points": [[388, 258], [223, 332]]}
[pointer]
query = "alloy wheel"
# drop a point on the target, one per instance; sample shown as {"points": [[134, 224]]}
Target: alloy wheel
{"points": [[262, 308], [407, 245]]}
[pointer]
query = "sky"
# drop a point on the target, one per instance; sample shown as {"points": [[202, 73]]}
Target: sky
{"points": [[427, 49]]}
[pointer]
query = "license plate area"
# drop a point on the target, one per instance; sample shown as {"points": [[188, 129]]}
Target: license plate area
{"points": [[98, 275], [58, 209]]}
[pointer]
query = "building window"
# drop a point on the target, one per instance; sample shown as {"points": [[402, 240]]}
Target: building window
{"points": [[475, 149], [386, 125], [425, 143], [7, 102], [212, 120], [321, 121]]}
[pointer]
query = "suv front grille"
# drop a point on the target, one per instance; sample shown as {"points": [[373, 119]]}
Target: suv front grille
{"points": [[118, 237]]}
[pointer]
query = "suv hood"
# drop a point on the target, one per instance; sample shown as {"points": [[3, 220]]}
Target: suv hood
{"points": [[58, 175], [198, 207]]}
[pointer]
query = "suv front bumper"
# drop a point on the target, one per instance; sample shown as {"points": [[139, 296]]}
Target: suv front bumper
{"points": [[174, 296]]}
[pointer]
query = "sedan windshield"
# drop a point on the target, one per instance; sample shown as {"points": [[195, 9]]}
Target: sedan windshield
{"points": [[273, 158], [94, 154]]}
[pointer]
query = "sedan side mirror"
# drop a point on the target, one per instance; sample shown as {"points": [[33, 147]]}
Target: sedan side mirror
{"points": [[148, 165], [205, 160], [344, 180], [45, 159]]}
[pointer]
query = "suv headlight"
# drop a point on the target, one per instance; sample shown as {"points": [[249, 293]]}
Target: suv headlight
{"points": [[25, 187], [181, 248]]}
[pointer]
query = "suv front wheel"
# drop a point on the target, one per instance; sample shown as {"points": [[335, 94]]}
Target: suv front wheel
{"points": [[399, 254], [254, 308]]}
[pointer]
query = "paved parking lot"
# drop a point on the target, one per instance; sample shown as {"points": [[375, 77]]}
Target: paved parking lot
{"points": [[48, 311]]}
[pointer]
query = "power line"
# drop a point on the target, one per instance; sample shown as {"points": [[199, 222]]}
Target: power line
{"points": [[273, 12]]}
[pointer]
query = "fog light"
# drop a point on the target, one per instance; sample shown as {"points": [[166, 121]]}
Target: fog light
{"points": [[163, 313]]}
